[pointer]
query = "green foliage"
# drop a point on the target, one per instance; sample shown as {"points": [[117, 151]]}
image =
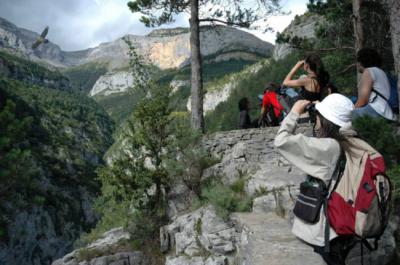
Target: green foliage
{"points": [[226, 198], [381, 135], [83, 77], [188, 157], [22, 69], [15, 158], [226, 115], [394, 174], [158, 12], [52, 135], [120, 106], [133, 184]]}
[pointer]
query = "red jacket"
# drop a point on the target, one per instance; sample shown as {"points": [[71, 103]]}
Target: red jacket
{"points": [[271, 98]]}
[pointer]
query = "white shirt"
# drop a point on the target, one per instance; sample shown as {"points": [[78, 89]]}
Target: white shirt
{"points": [[382, 85]]}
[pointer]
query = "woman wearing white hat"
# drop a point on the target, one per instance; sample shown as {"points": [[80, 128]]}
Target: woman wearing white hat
{"points": [[317, 156]]}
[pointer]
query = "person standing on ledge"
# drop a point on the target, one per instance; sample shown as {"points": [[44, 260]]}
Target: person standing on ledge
{"points": [[312, 84], [318, 157], [374, 88]]}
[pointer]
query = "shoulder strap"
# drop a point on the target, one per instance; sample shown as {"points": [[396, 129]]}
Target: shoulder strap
{"points": [[337, 175], [378, 94]]}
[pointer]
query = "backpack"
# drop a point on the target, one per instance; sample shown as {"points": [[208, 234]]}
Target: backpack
{"points": [[394, 96], [359, 203]]}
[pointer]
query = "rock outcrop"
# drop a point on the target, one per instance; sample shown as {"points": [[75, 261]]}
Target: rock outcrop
{"points": [[303, 27], [262, 236], [111, 83], [100, 252]]}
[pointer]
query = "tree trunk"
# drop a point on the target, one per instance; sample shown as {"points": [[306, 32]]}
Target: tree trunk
{"points": [[393, 7], [197, 120], [357, 24], [358, 32]]}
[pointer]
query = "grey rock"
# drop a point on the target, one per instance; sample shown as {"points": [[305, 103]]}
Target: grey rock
{"points": [[303, 27], [183, 260], [267, 239], [198, 232]]}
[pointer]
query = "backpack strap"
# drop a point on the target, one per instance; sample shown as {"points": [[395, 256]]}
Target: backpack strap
{"points": [[337, 174], [380, 95]]}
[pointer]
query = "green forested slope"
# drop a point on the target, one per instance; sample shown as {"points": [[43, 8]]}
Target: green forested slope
{"points": [[51, 142]]}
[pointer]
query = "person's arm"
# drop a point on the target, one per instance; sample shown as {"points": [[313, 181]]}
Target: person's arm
{"points": [[289, 78], [314, 156], [364, 92]]}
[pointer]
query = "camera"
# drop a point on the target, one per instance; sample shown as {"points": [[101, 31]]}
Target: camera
{"points": [[310, 108], [312, 112]]}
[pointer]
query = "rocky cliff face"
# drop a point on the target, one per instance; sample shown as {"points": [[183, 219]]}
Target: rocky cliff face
{"points": [[262, 236], [302, 27], [168, 48], [171, 48]]}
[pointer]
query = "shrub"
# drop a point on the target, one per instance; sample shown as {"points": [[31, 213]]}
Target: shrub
{"points": [[381, 135], [226, 199]]}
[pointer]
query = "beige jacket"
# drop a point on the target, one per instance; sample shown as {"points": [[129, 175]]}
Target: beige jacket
{"points": [[316, 157]]}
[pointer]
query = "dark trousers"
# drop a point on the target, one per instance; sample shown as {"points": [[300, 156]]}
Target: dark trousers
{"points": [[339, 249]]}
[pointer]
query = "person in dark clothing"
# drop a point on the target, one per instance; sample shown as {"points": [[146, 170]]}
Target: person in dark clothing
{"points": [[244, 117], [314, 82]]}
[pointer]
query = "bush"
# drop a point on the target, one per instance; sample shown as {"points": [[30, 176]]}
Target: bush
{"points": [[226, 199], [382, 136], [394, 174]]}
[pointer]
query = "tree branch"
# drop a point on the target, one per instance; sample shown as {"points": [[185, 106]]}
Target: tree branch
{"points": [[213, 20], [345, 70], [322, 49]]}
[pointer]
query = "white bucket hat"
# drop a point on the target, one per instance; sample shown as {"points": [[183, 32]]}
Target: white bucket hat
{"points": [[337, 109]]}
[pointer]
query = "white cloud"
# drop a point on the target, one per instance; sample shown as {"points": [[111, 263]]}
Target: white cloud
{"points": [[279, 23], [77, 24]]}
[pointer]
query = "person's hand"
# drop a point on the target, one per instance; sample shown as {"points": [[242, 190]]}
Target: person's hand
{"points": [[299, 64], [300, 105]]}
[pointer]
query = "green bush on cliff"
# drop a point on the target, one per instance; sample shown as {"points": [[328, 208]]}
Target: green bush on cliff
{"points": [[226, 198]]}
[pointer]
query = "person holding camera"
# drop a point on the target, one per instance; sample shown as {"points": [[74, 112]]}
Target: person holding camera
{"points": [[311, 85], [317, 157]]}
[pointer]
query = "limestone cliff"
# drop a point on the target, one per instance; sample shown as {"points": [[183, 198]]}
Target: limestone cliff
{"points": [[302, 27], [167, 48]]}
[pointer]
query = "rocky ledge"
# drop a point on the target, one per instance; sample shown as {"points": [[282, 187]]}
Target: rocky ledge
{"points": [[262, 236]]}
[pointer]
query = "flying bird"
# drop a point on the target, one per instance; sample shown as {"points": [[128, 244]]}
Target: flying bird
{"points": [[41, 39]]}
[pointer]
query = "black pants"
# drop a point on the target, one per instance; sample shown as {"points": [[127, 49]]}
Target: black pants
{"points": [[339, 249]]}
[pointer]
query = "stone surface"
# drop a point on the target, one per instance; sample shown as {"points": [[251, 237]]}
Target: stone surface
{"points": [[199, 234], [183, 260], [250, 154], [107, 240], [267, 239], [112, 82], [121, 258]]}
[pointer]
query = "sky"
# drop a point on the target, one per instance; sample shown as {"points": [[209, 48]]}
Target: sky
{"points": [[80, 24]]}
